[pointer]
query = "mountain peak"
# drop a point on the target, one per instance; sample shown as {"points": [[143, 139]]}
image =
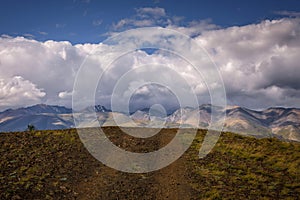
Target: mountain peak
{"points": [[96, 108], [278, 120], [44, 108]]}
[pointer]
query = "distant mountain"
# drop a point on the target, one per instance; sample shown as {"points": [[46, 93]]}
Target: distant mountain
{"points": [[278, 122], [36, 109], [41, 116], [40, 121], [96, 108], [273, 122], [284, 122], [141, 116]]}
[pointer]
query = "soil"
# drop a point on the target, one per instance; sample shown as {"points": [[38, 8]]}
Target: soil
{"points": [[56, 165], [167, 183]]}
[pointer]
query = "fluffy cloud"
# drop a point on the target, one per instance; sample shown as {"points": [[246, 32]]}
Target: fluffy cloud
{"points": [[258, 63], [145, 17], [134, 71], [194, 28], [49, 65], [18, 91], [148, 16]]}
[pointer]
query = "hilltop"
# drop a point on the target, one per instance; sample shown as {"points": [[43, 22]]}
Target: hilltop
{"points": [[55, 165]]}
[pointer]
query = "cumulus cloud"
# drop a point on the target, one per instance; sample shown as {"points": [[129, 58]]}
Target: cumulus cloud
{"points": [[258, 62], [49, 65], [145, 17], [194, 28], [149, 16], [65, 95], [134, 71], [148, 95], [18, 91]]}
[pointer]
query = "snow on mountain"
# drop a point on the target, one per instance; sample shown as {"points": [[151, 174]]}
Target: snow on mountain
{"points": [[96, 108], [280, 122], [140, 116], [41, 116]]}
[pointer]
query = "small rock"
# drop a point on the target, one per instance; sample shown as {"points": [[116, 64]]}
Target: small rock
{"points": [[63, 179], [16, 197]]}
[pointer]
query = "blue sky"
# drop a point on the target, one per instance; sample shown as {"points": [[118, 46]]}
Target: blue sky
{"points": [[82, 21]]}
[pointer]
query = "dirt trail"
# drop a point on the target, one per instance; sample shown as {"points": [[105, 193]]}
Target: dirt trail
{"points": [[167, 183], [172, 182], [173, 179]]}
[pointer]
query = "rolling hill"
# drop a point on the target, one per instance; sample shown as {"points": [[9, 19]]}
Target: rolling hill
{"points": [[55, 165]]}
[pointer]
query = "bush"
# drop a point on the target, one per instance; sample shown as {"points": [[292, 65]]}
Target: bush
{"points": [[30, 127]]}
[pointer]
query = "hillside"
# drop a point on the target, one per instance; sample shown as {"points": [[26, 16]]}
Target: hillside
{"points": [[55, 165]]}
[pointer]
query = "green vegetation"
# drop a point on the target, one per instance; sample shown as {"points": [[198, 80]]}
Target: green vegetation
{"points": [[248, 168], [30, 127], [55, 165]]}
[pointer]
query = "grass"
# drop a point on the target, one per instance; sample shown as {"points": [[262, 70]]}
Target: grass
{"points": [[248, 168], [55, 165]]}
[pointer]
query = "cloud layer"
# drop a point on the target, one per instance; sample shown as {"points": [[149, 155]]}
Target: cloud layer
{"points": [[258, 62]]}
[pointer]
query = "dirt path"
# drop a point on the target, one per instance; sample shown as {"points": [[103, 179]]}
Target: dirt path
{"points": [[172, 179], [167, 183], [172, 182]]}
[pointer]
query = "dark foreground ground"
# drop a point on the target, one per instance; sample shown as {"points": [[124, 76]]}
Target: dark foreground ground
{"points": [[55, 165]]}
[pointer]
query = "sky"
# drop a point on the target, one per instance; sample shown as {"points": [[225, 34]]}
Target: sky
{"points": [[88, 21], [255, 46]]}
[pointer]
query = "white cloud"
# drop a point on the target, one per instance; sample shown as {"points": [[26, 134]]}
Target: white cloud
{"points": [[50, 65], [257, 58], [65, 95], [288, 13], [148, 16], [148, 11], [194, 28], [120, 24], [145, 16], [6, 36], [43, 33], [19, 92], [28, 35], [258, 62], [133, 23]]}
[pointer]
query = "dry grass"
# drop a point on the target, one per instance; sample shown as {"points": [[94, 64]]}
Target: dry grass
{"points": [[55, 165]]}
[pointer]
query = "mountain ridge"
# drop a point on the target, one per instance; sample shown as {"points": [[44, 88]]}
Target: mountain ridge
{"points": [[274, 121]]}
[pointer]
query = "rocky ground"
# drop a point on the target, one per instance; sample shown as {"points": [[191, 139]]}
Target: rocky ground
{"points": [[56, 165]]}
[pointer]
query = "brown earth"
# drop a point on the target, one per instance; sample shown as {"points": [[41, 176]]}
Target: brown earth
{"points": [[55, 165]]}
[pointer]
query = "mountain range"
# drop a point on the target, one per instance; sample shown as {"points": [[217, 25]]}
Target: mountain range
{"points": [[280, 122]]}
